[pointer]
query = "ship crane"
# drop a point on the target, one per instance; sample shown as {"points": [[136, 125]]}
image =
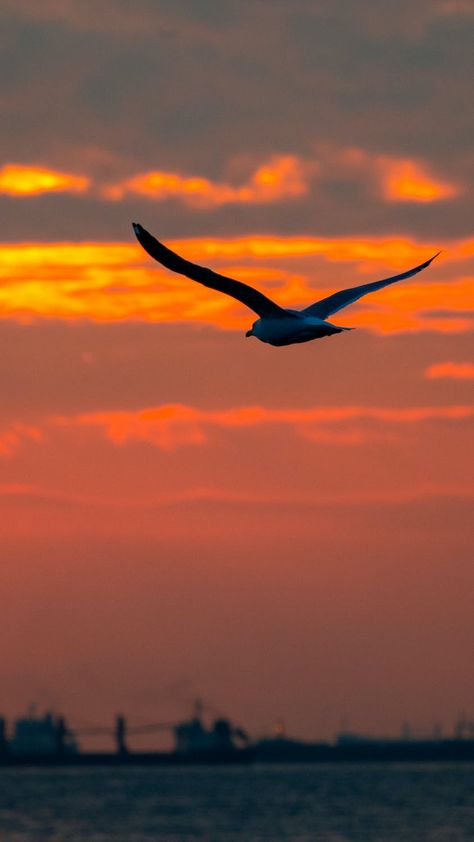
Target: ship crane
{"points": [[121, 730], [464, 728], [235, 731]]}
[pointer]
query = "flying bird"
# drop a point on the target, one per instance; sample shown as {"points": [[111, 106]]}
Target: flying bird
{"points": [[276, 325]]}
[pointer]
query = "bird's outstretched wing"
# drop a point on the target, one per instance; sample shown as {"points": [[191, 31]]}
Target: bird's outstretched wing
{"points": [[324, 308], [254, 299]]}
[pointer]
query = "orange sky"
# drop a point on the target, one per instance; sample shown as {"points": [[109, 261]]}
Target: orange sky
{"points": [[183, 511]]}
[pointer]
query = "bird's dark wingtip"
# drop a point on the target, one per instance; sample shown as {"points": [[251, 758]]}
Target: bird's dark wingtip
{"points": [[140, 232], [427, 262]]}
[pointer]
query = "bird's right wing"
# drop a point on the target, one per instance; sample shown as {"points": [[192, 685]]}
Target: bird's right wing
{"points": [[249, 296], [333, 303]]}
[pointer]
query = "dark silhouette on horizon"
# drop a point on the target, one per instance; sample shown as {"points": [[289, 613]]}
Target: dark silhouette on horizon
{"points": [[48, 740], [276, 325]]}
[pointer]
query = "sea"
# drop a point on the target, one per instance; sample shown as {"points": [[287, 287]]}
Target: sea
{"points": [[288, 803]]}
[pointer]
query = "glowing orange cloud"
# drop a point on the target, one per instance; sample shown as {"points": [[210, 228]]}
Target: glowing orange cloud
{"points": [[174, 425], [12, 438], [396, 179], [19, 180], [405, 180], [117, 281], [282, 177], [457, 371]]}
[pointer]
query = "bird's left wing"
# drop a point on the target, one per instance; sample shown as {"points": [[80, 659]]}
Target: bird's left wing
{"points": [[254, 299], [324, 308]]}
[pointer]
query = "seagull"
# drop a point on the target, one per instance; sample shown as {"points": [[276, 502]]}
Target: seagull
{"points": [[276, 325]]}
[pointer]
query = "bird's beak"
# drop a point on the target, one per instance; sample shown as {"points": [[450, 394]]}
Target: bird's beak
{"points": [[249, 333]]}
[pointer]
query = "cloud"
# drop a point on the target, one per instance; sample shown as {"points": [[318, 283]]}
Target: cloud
{"points": [[221, 496], [176, 425], [14, 436], [22, 180], [455, 7], [171, 426], [456, 371], [117, 281], [405, 180], [395, 179], [89, 70], [281, 177], [96, 16]]}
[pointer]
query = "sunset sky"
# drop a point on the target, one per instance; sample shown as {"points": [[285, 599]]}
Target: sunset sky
{"points": [[286, 532]]}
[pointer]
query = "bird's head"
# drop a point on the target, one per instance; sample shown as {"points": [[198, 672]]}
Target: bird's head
{"points": [[255, 329]]}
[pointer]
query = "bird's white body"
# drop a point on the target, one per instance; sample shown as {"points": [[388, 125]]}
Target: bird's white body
{"points": [[276, 325], [294, 329]]}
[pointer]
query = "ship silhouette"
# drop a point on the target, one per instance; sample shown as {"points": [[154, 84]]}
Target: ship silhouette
{"points": [[47, 740]]}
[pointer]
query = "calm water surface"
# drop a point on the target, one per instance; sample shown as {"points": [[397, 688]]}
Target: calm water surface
{"points": [[291, 803]]}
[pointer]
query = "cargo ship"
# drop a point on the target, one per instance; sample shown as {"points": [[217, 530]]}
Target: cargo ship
{"points": [[48, 741]]}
